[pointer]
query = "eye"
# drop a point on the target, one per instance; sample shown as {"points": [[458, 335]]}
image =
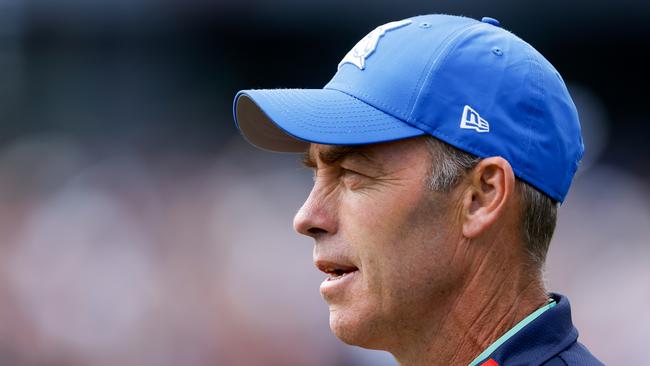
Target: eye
{"points": [[351, 178], [347, 172]]}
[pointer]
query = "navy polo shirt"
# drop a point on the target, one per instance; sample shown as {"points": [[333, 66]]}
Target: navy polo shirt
{"points": [[550, 339]]}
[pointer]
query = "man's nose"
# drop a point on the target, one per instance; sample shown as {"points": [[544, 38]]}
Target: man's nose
{"points": [[316, 217]]}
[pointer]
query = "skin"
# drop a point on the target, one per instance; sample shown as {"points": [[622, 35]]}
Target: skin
{"points": [[440, 275]]}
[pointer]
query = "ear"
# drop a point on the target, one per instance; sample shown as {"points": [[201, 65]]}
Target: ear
{"points": [[489, 191]]}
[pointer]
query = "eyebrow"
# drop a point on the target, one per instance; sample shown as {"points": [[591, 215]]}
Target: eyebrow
{"points": [[336, 154]]}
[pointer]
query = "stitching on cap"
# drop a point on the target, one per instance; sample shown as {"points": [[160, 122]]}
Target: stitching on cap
{"points": [[331, 121], [375, 103], [532, 74], [319, 128]]}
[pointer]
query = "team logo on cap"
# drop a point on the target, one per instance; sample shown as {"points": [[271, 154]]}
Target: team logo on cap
{"points": [[366, 46], [471, 120]]}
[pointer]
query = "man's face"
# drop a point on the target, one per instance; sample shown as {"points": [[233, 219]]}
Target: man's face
{"points": [[386, 240]]}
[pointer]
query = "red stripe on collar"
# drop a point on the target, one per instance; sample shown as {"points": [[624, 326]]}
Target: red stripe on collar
{"points": [[490, 362]]}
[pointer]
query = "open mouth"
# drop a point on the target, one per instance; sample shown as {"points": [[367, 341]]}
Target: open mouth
{"points": [[341, 275], [338, 274], [336, 271]]}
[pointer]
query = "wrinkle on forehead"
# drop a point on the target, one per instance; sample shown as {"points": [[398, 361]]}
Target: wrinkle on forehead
{"points": [[333, 154]]}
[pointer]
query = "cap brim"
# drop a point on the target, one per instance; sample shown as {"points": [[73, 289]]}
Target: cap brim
{"points": [[288, 120]]}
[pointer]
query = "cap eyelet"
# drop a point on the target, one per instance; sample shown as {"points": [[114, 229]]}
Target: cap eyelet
{"points": [[497, 51], [425, 25]]}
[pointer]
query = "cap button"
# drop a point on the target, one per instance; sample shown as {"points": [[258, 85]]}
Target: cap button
{"points": [[492, 21]]}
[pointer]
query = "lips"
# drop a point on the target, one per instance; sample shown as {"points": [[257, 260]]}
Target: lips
{"points": [[341, 275], [335, 270]]}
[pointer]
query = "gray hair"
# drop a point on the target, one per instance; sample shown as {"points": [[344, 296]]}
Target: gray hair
{"points": [[539, 211]]}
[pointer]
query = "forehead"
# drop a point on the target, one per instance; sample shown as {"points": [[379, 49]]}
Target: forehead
{"points": [[376, 154], [332, 153]]}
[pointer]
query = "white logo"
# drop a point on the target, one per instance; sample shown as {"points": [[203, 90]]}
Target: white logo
{"points": [[366, 46], [471, 120]]}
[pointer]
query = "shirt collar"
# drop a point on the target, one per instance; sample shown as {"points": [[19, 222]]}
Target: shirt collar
{"points": [[538, 337]]}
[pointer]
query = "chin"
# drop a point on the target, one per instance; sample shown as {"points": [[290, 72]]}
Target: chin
{"points": [[355, 329]]}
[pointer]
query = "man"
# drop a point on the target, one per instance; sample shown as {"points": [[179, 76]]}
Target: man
{"points": [[441, 149]]}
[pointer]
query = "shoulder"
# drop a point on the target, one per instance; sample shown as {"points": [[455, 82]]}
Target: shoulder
{"points": [[550, 339], [574, 355]]}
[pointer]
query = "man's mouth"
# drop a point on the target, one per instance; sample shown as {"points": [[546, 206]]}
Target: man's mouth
{"points": [[337, 274], [335, 271], [341, 274]]}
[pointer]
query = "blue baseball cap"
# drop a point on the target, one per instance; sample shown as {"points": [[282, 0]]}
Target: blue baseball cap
{"points": [[469, 83]]}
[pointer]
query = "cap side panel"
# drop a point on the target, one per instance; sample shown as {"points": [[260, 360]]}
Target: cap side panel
{"points": [[437, 59], [534, 114]]}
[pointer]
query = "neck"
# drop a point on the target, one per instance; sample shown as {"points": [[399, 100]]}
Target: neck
{"points": [[494, 298]]}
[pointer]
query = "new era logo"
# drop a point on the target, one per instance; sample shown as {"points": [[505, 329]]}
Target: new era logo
{"points": [[471, 120]]}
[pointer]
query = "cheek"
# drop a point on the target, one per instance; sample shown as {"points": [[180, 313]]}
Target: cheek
{"points": [[403, 242], [394, 235], [374, 224]]}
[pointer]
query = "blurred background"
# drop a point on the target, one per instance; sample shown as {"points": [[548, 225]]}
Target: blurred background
{"points": [[138, 228]]}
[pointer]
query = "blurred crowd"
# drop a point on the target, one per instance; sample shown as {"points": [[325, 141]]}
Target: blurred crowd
{"points": [[114, 260]]}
